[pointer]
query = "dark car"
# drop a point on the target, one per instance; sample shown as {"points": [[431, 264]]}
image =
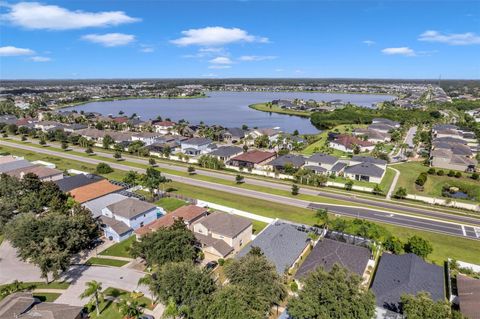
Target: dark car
{"points": [[211, 265]]}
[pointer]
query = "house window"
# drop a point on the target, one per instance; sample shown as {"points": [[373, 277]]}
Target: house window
{"points": [[241, 243], [141, 224], [144, 215]]}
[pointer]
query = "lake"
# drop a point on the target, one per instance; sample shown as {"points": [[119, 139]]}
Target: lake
{"points": [[228, 109]]}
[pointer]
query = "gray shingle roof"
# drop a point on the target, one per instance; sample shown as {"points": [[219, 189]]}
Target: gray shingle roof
{"points": [[68, 183], [130, 207], [406, 274], [10, 166], [323, 158], [281, 242], [225, 224], [368, 159], [218, 244], [96, 205], [316, 169], [338, 167], [329, 252], [226, 151], [236, 132], [197, 141], [119, 227], [295, 160], [366, 169]]}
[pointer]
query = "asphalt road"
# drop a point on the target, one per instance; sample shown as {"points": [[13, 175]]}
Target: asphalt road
{"points": [[425, 222]]}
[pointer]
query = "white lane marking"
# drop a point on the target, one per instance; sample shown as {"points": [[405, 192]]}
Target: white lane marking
{"points": [[477, 231], [464, 231]]}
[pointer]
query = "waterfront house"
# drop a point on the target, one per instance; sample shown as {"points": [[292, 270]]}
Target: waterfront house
{"points": [[348, 143], [164, 127], [321, 163]]}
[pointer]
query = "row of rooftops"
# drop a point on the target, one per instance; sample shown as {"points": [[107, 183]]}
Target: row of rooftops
{"points": [[18, 167]]}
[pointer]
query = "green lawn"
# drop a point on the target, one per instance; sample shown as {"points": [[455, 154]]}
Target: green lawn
{"points": [[106, 262], [275, 109], [258, 226], [119, 249], [387, 180], [108, 308], [27, 286], [433, 187], [170, 204], [46, 296]]}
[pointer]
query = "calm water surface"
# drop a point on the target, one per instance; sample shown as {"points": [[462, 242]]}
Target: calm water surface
{"points": [[229, 109]]}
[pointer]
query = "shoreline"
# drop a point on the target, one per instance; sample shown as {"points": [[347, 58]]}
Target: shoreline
{"points": [[262, 107], [112, 99]]}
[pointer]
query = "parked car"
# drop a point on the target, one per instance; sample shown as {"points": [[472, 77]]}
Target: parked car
{"points": [[146, 317], [211, 265]]}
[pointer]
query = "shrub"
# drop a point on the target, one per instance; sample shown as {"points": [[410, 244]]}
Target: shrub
{"points": [[349, 185], [451, 173], [221, 261], [440, 172], [458, 174], [104, 168], [431, 171], [294, 286], [421, 179], [475, 176]]}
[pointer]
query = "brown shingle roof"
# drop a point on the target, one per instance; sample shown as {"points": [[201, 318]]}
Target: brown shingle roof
{"points": [[469, 296], [349, 141], [225, 224], [254, 156], [94, 190], [39, 170], [130, 207], [188, 213]]}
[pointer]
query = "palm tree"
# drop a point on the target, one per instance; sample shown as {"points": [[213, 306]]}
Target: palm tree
{"points": [[171, 310], [130, 308], [322, 215], [94, 288]]}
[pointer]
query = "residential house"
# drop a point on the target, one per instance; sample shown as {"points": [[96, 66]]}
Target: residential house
{"points": [[188, 214], [197, 146], [391, 123], [92, 191], [366, 168], [272, 133], [73, 128], [8, 119], [68, 183], [382, 128], [252, 159], [164, 127], [45, 174], [468, 296], [130, 212], [95, 206], [282, 243], [321, 163], [397, 275], [146, 137], [224, 153], [233, 134], [372, 136], [24, 305], [279, 164], [328, 252], [221, 234], [13, 165], [8, 159], [46, 126], [348, 143]]}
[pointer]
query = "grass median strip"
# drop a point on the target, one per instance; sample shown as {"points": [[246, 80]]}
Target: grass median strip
{"points": [[106, 262]]}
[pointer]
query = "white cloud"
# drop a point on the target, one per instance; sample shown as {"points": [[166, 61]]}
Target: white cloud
{"points": [[221, 60], [219, 66], [40, 59], [406, 51], [369, 42], [467, 38], [34, 15], [216, 36], [279, 70], [250, 58], [110, 39], [147, 50], [14, 51]]}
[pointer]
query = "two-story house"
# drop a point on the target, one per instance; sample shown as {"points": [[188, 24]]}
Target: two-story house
{"points": [[222, 234], [120, 219], [197, 146]]}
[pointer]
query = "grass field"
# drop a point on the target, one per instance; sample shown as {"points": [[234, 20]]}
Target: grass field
{"points": [[108, 308], [320, 144], [119, 249], [275, 109], [46, 296], [106, 262], [170, 204], [433, 187]]}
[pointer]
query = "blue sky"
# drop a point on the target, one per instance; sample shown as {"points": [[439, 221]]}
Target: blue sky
{"points": [[201, 39]]}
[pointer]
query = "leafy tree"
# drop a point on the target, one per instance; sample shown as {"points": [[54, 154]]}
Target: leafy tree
{"points": [[152, 161], [334, 294], [295, 189], [349, 185], [377, 190], [191, 170], [153, 179], [422, 306], [209, 161], [475, 176], [260, 278], [401, 193], [117, 155], [173, 244], [394, 245], [239, 179], [64, 145], [89, 150], [131, 178], [130, 307], [322, 215], [94, 288], [181, 282], [418, 246], [232, 301], [262, 141], [103, 168], [107, 142]]}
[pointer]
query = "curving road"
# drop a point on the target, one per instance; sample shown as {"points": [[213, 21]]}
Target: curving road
{"points": [[461, 226]]}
